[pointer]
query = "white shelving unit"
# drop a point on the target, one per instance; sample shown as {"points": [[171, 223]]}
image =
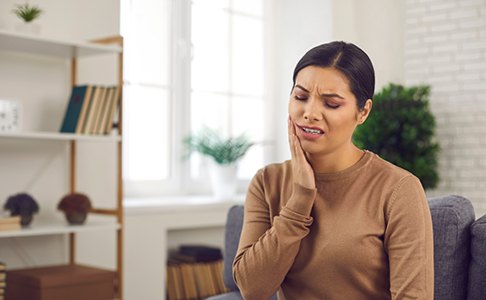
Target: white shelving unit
{"points": [[32, 44], [108, 219], [54, 136], [50, 228]]}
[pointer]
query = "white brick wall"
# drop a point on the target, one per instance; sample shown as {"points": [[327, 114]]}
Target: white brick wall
{"points": [[445, 46]]}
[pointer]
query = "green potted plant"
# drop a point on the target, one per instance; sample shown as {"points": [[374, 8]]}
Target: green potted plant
{"points": [[22, 205], [401, 129], [27, 13], [75, 207], [225, 154]]}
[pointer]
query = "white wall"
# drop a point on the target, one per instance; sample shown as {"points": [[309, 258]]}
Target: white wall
{"points": [[42, 86], [445, 47], [376, 26], [297, 27]]}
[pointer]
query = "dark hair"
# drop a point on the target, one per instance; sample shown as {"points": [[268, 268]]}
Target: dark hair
{"points": [[353, 62]]}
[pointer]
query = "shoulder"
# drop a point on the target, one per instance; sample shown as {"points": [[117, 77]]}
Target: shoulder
{"points": [[275, 171], [272, 178], [405, 191], [397, 184], [387, 173]]}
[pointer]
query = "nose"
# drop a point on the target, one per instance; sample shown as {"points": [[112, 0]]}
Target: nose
{"points": [[313, 111]]}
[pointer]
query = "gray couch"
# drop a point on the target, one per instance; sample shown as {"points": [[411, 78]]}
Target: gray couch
{"points": [[459, 250]]}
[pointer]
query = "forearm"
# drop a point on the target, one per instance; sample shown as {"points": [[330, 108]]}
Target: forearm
{"points": [[264, 259]]}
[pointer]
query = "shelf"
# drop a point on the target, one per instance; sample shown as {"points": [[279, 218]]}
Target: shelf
{"points": [[53, 227], [26, 43], [56, 136]]}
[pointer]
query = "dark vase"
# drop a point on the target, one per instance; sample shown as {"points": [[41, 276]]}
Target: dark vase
{"points": [[76, 217], [25, 219]]}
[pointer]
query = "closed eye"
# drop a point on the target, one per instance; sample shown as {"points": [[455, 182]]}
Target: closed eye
{"points": [[300, 98], [332, 106]]}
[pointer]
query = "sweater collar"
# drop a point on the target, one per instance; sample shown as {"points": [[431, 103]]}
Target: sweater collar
{"points": [[367, 156]]}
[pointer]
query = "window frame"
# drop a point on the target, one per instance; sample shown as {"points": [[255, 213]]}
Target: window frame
{"points": [[179, 181]]}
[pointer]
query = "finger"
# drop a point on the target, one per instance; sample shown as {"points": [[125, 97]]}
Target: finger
{"points": [[296, 140], [291, 136], [298, 151]]}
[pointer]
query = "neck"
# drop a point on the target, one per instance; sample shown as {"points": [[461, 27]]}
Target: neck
{"points": [[335, 161]]}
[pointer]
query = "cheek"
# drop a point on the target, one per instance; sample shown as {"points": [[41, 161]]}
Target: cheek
{"points": [[293, 108], [341, 122]]}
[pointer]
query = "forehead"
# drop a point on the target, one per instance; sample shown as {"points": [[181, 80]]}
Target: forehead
{"points": [[323, 79]]}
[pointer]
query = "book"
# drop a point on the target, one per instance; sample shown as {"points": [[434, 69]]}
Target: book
{"points": [[201, 281], [84, 109], [178, 284], [84, 123], [195, 273], [9, 223], [10, 226], [217, 269], [189, 283], [93, 110], [73, 109], [100, 128], [97, 110], [113, 108], [101, 111], [9, 220], [171, 288], [201, 253]]}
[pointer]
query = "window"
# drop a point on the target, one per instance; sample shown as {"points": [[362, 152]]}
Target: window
{"points": [[189, 64]]}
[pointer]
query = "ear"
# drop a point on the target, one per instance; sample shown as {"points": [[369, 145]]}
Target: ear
{"points": [[365, 112]]}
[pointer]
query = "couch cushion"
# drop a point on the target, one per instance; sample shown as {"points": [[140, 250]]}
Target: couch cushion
{"points": [[477, 268], [228, 296], [451, 219], [234, 224]]}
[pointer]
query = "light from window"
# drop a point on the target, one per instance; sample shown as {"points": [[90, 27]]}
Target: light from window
{"points": [[227, 75]]}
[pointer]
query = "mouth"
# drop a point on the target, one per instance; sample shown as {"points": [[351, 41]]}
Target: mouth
{"points": [[312, 132]]}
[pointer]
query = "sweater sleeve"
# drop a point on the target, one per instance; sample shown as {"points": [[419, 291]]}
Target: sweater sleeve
{"points": [[409, 242], [267, 250]]}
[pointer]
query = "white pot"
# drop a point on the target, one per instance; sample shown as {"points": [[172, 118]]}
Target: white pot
{"points": [[223, 181], [28, 27]]}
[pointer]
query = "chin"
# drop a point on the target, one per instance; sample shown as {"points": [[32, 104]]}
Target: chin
{"points": [[312, 148]]}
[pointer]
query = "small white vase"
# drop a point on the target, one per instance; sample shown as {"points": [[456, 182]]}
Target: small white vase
{"points": [[28, 28], [223, 181]]}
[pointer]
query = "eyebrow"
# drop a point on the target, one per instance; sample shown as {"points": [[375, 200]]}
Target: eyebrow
{"points": [[330, 95]]}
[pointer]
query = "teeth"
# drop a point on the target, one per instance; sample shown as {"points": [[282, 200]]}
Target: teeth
{"points": [[313, 131]]}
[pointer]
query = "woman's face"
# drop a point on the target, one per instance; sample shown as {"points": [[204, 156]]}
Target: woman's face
{"points": [[324, 110]]}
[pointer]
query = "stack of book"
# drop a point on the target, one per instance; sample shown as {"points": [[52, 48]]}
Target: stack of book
{"points": [[91, 109], [3, 280], [9, 223], [195, 272]]}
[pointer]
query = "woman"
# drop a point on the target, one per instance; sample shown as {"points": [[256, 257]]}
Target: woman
{"points": [[334, 222]]}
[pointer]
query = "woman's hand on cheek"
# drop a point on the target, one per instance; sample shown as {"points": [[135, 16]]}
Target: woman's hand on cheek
{"points": [[302, 171]]}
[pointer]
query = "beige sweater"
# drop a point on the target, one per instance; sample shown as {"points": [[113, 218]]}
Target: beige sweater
{"points": [[368, 235]]}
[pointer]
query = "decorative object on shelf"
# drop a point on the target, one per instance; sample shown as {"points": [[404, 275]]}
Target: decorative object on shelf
{"points": [[10, 116], [402, 131], [27, 13], [22, 205], [75, 207], [225, 154]]}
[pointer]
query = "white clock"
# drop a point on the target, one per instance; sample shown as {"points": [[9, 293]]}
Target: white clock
{"points": [[9, 116]]}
